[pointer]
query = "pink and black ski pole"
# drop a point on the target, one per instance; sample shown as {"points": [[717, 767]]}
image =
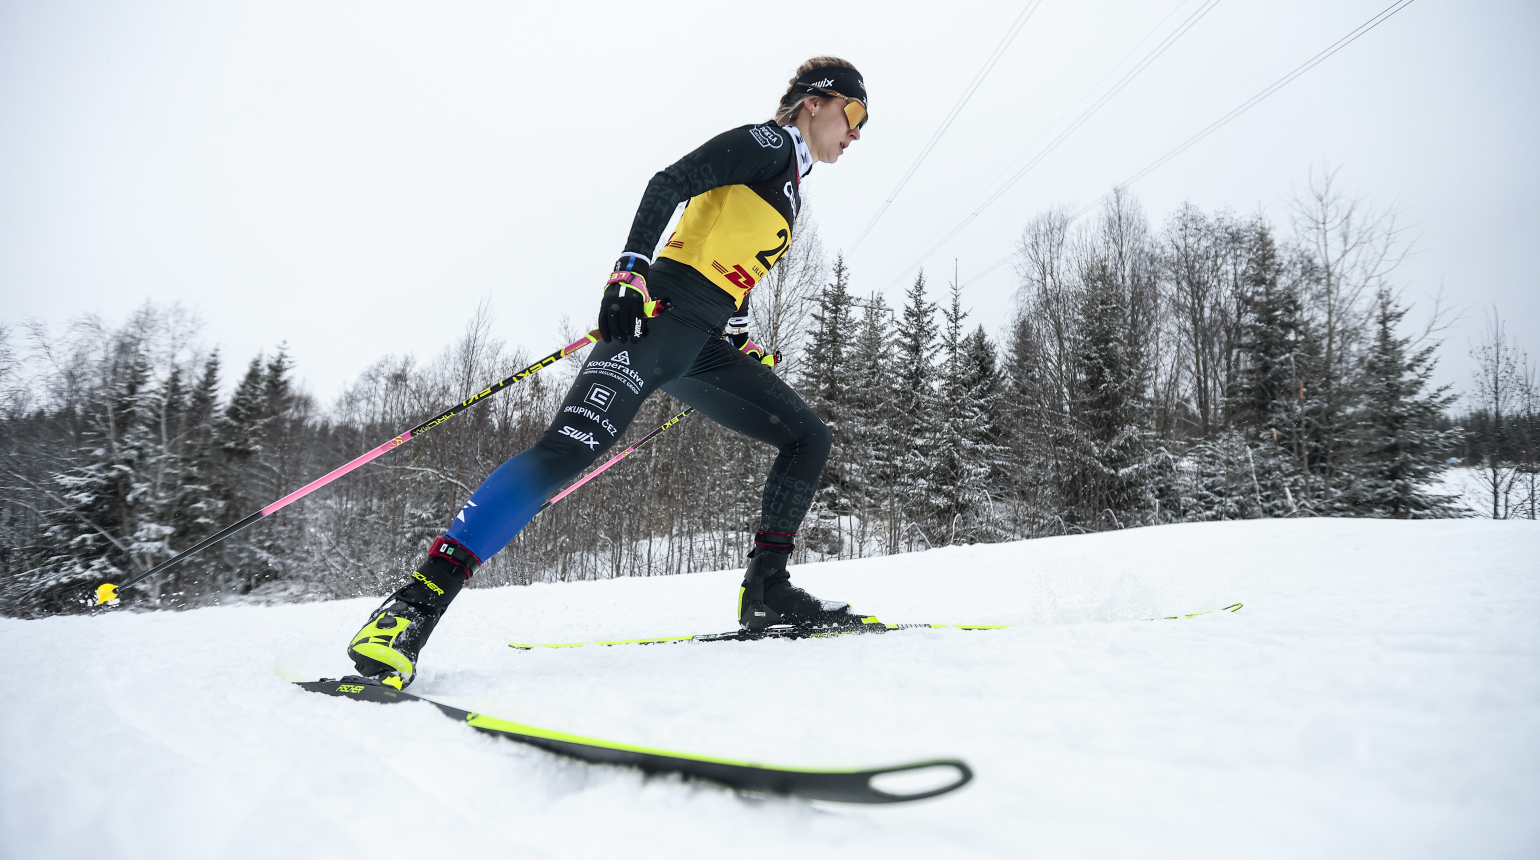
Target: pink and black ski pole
{"points": [[617, 458], [107, 591]]}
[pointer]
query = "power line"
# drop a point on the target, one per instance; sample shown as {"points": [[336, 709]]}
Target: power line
{"points": [[1085, 116], [1248, 104], [989, 64], [1237, 111]]}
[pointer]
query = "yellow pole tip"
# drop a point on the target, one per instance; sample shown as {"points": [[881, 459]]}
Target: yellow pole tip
{"points": [[106, 593]]}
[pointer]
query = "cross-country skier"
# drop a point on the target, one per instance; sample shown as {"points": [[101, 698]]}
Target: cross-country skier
{"points": [[743, 188]]}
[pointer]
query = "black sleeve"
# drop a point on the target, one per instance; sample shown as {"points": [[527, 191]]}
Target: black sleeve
{"points": [[745, 155]]}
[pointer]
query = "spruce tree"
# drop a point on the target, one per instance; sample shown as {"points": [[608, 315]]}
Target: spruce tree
{"points": [[92, 529], [1401, 451], [828, 384], [918, 415], [872, 450], [963, 458], [1273, 322], [1114, 465], [1273, 401], [238, 478], [200, 508], [986, 383]]}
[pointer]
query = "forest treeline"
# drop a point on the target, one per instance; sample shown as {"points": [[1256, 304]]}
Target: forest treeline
{"points": [[1213, 367]]}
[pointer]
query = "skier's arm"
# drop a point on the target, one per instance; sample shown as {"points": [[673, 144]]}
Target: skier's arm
{"points": [[737, 331], [743, 155], [738, 157]]}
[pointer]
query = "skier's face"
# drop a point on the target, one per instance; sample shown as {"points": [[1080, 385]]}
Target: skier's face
{"points": [[829, 128]]}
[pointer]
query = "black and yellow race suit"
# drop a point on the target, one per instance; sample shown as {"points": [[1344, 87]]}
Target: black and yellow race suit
{"points": [[743, 189]]}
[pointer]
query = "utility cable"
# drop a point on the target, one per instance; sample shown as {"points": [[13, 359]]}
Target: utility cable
{"points": [[1248, 104], [989, 64], [1122, 83], [1237, 111]]}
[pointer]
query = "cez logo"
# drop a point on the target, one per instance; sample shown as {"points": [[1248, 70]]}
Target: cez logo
{"points": [[585, 437], [600, 395]]}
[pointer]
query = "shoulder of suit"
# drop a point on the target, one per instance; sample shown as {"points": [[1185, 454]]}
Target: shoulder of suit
{"points": [[768, 135]]}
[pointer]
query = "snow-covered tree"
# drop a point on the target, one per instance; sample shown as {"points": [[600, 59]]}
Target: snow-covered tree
{"points": [[916, 420], [963, 456], [1401, 451], [828, 389], [872, 447], [1113, 463]]}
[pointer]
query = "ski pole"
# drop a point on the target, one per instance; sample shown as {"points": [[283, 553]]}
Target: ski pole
{"points": [[618, 457], [107, 591]]}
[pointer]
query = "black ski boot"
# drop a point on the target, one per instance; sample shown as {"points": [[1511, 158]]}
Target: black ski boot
{"points": [[386, 648], [768, 598]]}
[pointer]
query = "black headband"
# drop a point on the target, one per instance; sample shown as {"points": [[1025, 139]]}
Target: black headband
{"points": [[833, 79]]}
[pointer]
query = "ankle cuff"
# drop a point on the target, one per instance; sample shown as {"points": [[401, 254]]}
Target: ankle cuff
{"points": [[774, 541], [453, 552]]}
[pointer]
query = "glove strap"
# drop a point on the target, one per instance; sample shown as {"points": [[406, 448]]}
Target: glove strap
{"points": [[754, 350], [624, 280]]}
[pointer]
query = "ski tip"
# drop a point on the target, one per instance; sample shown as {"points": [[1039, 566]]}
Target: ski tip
{"points": [[106, 593], [1234, 607]]}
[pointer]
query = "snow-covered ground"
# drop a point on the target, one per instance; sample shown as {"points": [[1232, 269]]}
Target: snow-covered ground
{"points": [[1378, 696]]}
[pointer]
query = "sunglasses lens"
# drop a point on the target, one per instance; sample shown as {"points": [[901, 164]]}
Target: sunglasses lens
{"points": [[855, 112]]}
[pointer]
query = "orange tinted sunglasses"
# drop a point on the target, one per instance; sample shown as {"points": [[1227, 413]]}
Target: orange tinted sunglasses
{"points": [[855, 109]]}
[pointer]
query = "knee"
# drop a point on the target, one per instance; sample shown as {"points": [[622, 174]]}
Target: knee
{"points": [[816, 440]]}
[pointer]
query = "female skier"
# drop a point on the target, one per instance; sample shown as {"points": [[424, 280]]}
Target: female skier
{"points": [[743, 188]]}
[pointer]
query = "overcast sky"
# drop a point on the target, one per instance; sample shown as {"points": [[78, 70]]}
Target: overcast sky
{"points": [[353, 178]]}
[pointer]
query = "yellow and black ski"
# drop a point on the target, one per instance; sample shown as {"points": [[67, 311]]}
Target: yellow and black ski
{"points": [[876, 785], [870, 626]]}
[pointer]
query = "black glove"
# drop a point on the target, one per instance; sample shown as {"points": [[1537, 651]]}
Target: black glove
{"points": [[626, 307], [737, 331]]}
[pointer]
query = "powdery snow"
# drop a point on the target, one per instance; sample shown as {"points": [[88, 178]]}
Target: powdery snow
{"points": [[1378, 696]]}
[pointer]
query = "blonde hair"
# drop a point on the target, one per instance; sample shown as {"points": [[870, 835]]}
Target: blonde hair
{"points": [[791, 103]]}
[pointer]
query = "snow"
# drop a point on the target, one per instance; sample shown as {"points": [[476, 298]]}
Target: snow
{"points": [[1378, 696]]}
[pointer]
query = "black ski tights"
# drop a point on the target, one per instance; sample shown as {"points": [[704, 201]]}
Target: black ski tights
{"points": [[684, 357]]}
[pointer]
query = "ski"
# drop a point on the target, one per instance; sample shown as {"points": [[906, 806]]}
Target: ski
{"points": [[1234, 607], [877, 785], [872, 626]]}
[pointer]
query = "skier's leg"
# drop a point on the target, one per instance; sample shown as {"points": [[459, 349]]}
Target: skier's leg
{"points": [[746, 396], [600, 405], [598, 408]]}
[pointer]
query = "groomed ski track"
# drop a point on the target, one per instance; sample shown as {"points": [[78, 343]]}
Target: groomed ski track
{"points": [[1378, 696]]}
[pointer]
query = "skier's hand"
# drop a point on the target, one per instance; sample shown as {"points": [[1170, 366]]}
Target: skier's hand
{"points": [[626, 306], [738, 335]]}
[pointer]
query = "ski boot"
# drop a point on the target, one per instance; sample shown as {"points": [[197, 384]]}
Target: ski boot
{"points": [[768, 598], [386, 649]]}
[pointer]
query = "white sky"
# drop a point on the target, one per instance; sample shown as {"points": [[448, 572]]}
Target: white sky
{"points": [[353, 178]]}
